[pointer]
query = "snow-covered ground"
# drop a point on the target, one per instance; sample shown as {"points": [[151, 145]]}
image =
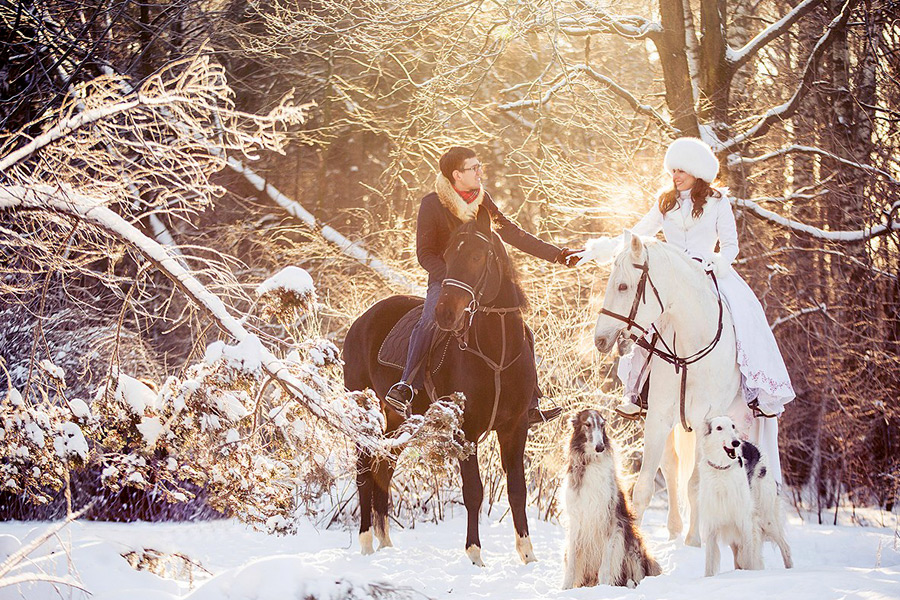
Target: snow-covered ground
{"points": [[830, 562]]}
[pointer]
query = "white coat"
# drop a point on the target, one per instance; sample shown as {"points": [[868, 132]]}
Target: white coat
{"points": [[764, 377]]}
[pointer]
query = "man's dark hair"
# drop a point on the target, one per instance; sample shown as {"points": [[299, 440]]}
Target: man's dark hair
{"points": [[453, 160]]}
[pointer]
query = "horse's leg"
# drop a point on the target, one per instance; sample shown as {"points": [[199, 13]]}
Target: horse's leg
{"points": [[473, 495], [382, 472], [670, 472], [693, 534], [364, 485], [512, 456], [656, 430]]}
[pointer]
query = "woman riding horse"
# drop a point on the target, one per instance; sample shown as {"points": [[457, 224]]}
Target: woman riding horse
{"points": [[694, 216]]}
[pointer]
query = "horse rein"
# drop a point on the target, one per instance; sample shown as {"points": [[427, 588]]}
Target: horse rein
{"points": [[475, 307], [475, 291], [669, 354]]}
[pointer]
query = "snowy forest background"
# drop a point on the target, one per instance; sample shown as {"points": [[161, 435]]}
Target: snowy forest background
{"points": [[160, 160]]}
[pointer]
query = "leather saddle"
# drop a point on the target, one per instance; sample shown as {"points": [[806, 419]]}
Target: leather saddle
{"points": [[395, 346]]}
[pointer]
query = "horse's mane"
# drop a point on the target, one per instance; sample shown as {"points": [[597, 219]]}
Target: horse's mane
{"points": [[510, 271], [674, 256]]}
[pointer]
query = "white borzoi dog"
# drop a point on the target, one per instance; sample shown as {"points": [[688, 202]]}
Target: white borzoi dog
{"points": [[738, 499], [603, 543]]}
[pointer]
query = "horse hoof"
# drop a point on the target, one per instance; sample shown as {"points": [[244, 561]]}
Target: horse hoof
{"points": [[474, 554], [365, 543], [525, 550], [385, 543]]}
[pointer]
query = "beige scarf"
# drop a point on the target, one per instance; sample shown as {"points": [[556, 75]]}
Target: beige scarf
{"points": [[453, 202]]}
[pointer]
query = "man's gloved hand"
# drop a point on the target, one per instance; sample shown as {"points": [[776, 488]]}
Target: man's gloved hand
{"points": [[569, 258]]}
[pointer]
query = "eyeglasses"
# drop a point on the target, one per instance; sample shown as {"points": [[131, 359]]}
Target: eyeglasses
{"points": [[477, 168]]}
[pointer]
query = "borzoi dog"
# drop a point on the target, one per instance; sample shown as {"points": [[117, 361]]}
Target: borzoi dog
{"points": [[604, 545], [738, 499]]}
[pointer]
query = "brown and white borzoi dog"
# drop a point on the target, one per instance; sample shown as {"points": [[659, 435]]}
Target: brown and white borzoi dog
{"points": [[603, 543], [738, 499]]}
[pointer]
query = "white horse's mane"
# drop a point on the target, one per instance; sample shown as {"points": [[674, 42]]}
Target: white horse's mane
{"points": [[696, 284]]}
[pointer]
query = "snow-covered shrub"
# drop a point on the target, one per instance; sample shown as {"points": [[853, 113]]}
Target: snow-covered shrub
{"points": [[40, 441]]}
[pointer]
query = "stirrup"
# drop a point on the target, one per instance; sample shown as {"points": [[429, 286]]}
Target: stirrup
{"points": [[631, 411], [536, 416], [399, 397], [753, 405]]}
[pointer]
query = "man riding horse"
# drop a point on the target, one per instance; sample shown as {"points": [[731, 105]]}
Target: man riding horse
{"points": [[456, 200]]}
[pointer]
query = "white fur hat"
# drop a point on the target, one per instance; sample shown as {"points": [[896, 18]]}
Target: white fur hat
{"points": [[694, 157]]}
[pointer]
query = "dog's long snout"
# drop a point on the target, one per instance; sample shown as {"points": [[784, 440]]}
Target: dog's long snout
{"points": [[599, 447]]}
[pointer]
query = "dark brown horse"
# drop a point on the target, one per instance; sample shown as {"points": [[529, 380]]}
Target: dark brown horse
{"points": [[480, 304]]}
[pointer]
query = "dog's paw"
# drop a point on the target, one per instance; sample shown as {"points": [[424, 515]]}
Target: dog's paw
{"points": [[692, 540]]}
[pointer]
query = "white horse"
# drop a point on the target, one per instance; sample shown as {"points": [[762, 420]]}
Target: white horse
{"points": [[677, 298]]}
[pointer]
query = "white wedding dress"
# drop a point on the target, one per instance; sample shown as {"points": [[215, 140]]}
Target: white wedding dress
{"points": [[764, 377]]}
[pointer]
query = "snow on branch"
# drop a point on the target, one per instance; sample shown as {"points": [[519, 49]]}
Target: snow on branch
{"points": [[737, 58], [351, 249], [806, 311], [735, 160], [628, 26], [787, 109], [563, 79], [859, 235], [94, 211]]}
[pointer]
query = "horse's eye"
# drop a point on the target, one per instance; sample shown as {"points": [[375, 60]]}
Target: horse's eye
{"points": [[623, 287]]}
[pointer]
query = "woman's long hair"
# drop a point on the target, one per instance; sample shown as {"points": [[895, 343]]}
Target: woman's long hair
{"points": [[699, 193]]}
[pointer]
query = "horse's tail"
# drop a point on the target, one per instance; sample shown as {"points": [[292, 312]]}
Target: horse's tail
{"points": [[685, 448]]}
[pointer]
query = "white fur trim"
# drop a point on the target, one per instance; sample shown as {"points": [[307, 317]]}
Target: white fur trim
{"points": [[693, 156], [601, 250], [453, 202]]}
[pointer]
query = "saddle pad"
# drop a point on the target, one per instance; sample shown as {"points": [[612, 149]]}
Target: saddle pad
{"points": [[395, 346]]}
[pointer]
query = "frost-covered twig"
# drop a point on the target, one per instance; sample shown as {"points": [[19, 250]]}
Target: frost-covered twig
{"points": [[739, 57], [787, 109], [13, 560], [812, 309], [629, 26], [351, 249], [735, 159]]}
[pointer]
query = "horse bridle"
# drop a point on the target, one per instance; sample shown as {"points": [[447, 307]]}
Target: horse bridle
{"points": [[639, 297], [476, 291], [474, 306], [668, 354]]}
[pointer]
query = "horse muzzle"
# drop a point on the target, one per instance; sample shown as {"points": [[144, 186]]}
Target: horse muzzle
{"points": [[605, 343], [450, 314]]}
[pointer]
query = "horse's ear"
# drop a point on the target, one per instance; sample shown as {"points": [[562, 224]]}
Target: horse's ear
{"points": [[483, 221], [637, 247]]}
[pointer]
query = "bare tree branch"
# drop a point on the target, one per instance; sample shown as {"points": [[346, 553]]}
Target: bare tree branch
{"points": [[738, 58], [735, 160], [787, 109], [859, 235], [562, 81]]}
